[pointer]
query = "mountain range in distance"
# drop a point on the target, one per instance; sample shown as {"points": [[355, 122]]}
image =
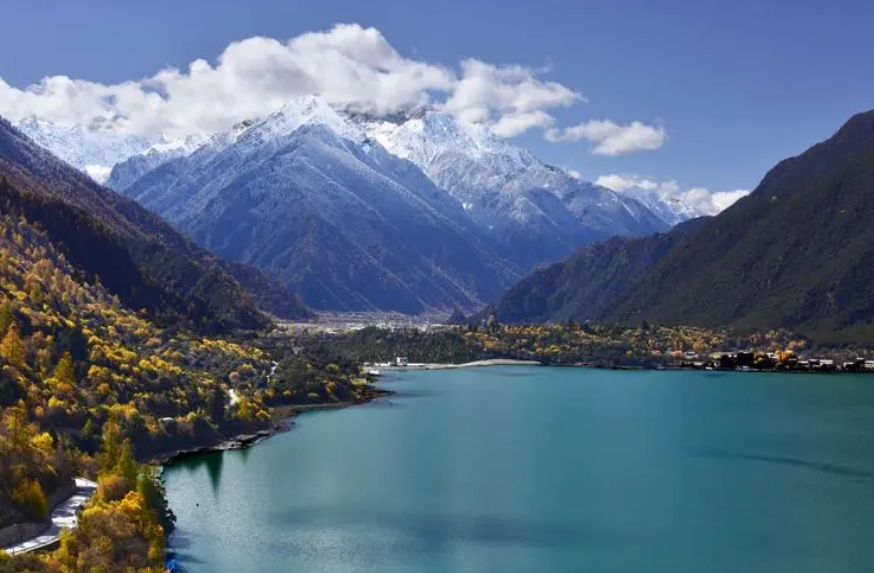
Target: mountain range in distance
{"points": [[410, 213], [423, 212]]}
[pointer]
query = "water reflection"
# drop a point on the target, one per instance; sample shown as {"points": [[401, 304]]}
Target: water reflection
{"points": [[212, 462], [433, 533]]}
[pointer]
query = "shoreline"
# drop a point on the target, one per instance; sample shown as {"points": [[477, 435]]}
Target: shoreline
{"points": [[284, 415], [283, 421], [594, 366], [448, 366]]}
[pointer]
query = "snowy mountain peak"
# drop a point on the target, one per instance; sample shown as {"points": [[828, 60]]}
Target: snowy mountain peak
{"points": [[307, 110], [506, 190], [429, 138], [177, 147]]}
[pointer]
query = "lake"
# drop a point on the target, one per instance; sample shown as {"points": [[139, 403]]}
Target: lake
{"points": [[527, 469]]}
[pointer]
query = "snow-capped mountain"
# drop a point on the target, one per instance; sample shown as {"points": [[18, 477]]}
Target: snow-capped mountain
{"points": [[358, 212], [307, 195], [669, 207], [95, 153], [539, 212], [127, 171]]}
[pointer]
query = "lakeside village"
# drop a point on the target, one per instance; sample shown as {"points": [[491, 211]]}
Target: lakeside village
{"points": [[771, 362]]}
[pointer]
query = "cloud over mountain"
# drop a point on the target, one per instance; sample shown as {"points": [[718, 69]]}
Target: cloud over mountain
{"points": [[611, 138], [349, 66], [699, 199]]}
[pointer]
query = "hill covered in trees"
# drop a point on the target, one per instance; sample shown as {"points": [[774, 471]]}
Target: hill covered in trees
{"points": [[795, 254], [80, 369]]}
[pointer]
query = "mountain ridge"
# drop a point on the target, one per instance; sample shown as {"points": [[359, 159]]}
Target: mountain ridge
{"points": [[799, 244], [539, 212]]}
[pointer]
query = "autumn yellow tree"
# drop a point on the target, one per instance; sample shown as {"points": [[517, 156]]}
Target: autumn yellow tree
{"points": [[30, 497], [64, 373], [7, 317], [12, 348]]}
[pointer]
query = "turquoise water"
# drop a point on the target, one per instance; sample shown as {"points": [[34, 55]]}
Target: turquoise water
{"points": [[535, 469]]}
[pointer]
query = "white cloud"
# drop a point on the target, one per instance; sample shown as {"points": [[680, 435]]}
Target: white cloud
{"points": [[484, 90], [512, 124], [700, 200], [99, 173], [348, 65], [712, 202], [624, 182], [611, 138]]}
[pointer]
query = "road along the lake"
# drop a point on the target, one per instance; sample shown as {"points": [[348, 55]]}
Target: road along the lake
{"points": [[64, 516]]}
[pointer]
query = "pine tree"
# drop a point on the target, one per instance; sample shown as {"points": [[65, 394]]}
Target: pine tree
{"points": [[12, 349], [110, 448], [127, 466], [150, 487], [64, 373], [7, 318]]}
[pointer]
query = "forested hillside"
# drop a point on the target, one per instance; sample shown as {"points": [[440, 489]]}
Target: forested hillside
{"points": [[581, 287], [796, 253], [138, 256], [81, 373]]}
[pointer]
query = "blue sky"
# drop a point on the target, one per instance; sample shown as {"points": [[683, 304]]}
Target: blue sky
{"points": [[736, 86]]}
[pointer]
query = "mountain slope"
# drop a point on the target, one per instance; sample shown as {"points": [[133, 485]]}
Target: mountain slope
{"points": [[127, 170], [308, 197], [539, 213], [795, 253], [133, 252], [92, 152], [582, 286]]}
